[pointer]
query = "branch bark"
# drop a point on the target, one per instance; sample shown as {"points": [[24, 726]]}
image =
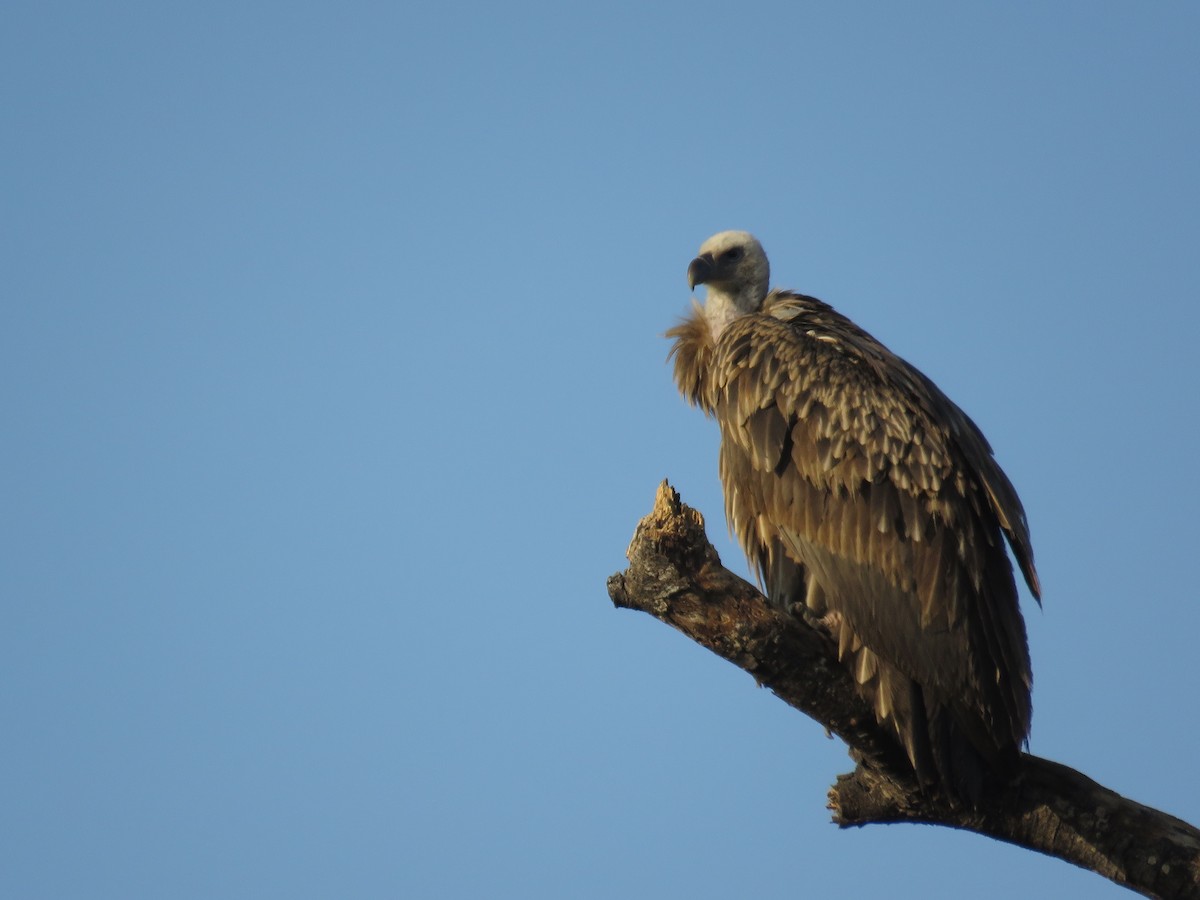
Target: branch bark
{"points": [[676, 576]]}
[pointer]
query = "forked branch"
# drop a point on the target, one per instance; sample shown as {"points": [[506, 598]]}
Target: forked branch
{"points": [[676, 576]]}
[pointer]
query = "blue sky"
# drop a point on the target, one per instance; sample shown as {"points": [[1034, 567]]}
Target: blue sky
{"points": [[333, 386]]}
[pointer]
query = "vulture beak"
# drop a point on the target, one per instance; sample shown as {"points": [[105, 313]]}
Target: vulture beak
{"points": [[700, 270]]}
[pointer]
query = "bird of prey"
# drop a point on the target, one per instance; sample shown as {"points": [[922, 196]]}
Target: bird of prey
{"points": [[867, 501]]}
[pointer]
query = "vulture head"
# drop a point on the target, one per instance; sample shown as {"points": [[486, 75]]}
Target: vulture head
{"points": [[734, 267]]}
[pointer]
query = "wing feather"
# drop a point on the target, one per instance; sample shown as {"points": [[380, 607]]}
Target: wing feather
{"points": [[845, 466]]}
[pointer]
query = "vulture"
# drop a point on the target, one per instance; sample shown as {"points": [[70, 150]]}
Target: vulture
{"points": [[870, 503]]}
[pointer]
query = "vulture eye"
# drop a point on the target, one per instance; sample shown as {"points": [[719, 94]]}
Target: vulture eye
{"points": [[732, 255]]}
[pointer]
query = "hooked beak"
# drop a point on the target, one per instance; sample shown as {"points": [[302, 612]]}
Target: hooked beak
{"points": [[700, 270]]}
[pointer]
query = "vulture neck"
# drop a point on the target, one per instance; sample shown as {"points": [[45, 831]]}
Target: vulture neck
{"points": [[723, 306]]}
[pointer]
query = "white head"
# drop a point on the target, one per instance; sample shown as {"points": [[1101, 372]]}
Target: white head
{"points": [[734, 267]]}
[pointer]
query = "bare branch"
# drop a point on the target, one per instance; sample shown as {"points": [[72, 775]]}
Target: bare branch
{"points": [[676, 576]]}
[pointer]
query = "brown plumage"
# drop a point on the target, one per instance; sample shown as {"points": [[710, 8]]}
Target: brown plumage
{"points": [[867, 499]]}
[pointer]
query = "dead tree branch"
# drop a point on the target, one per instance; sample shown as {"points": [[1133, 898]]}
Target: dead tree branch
{"points": [[676, 576]]}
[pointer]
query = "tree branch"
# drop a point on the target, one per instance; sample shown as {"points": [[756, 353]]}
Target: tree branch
{"points": [[676, 576]]}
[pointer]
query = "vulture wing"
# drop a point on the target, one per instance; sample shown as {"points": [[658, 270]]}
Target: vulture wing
{"points": [[863, 494]]}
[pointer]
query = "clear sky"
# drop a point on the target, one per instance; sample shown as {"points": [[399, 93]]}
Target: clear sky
{"points": [[333, 386]]}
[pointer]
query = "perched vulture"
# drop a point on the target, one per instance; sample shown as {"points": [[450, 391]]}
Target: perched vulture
{"points": [[867, 501]]}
